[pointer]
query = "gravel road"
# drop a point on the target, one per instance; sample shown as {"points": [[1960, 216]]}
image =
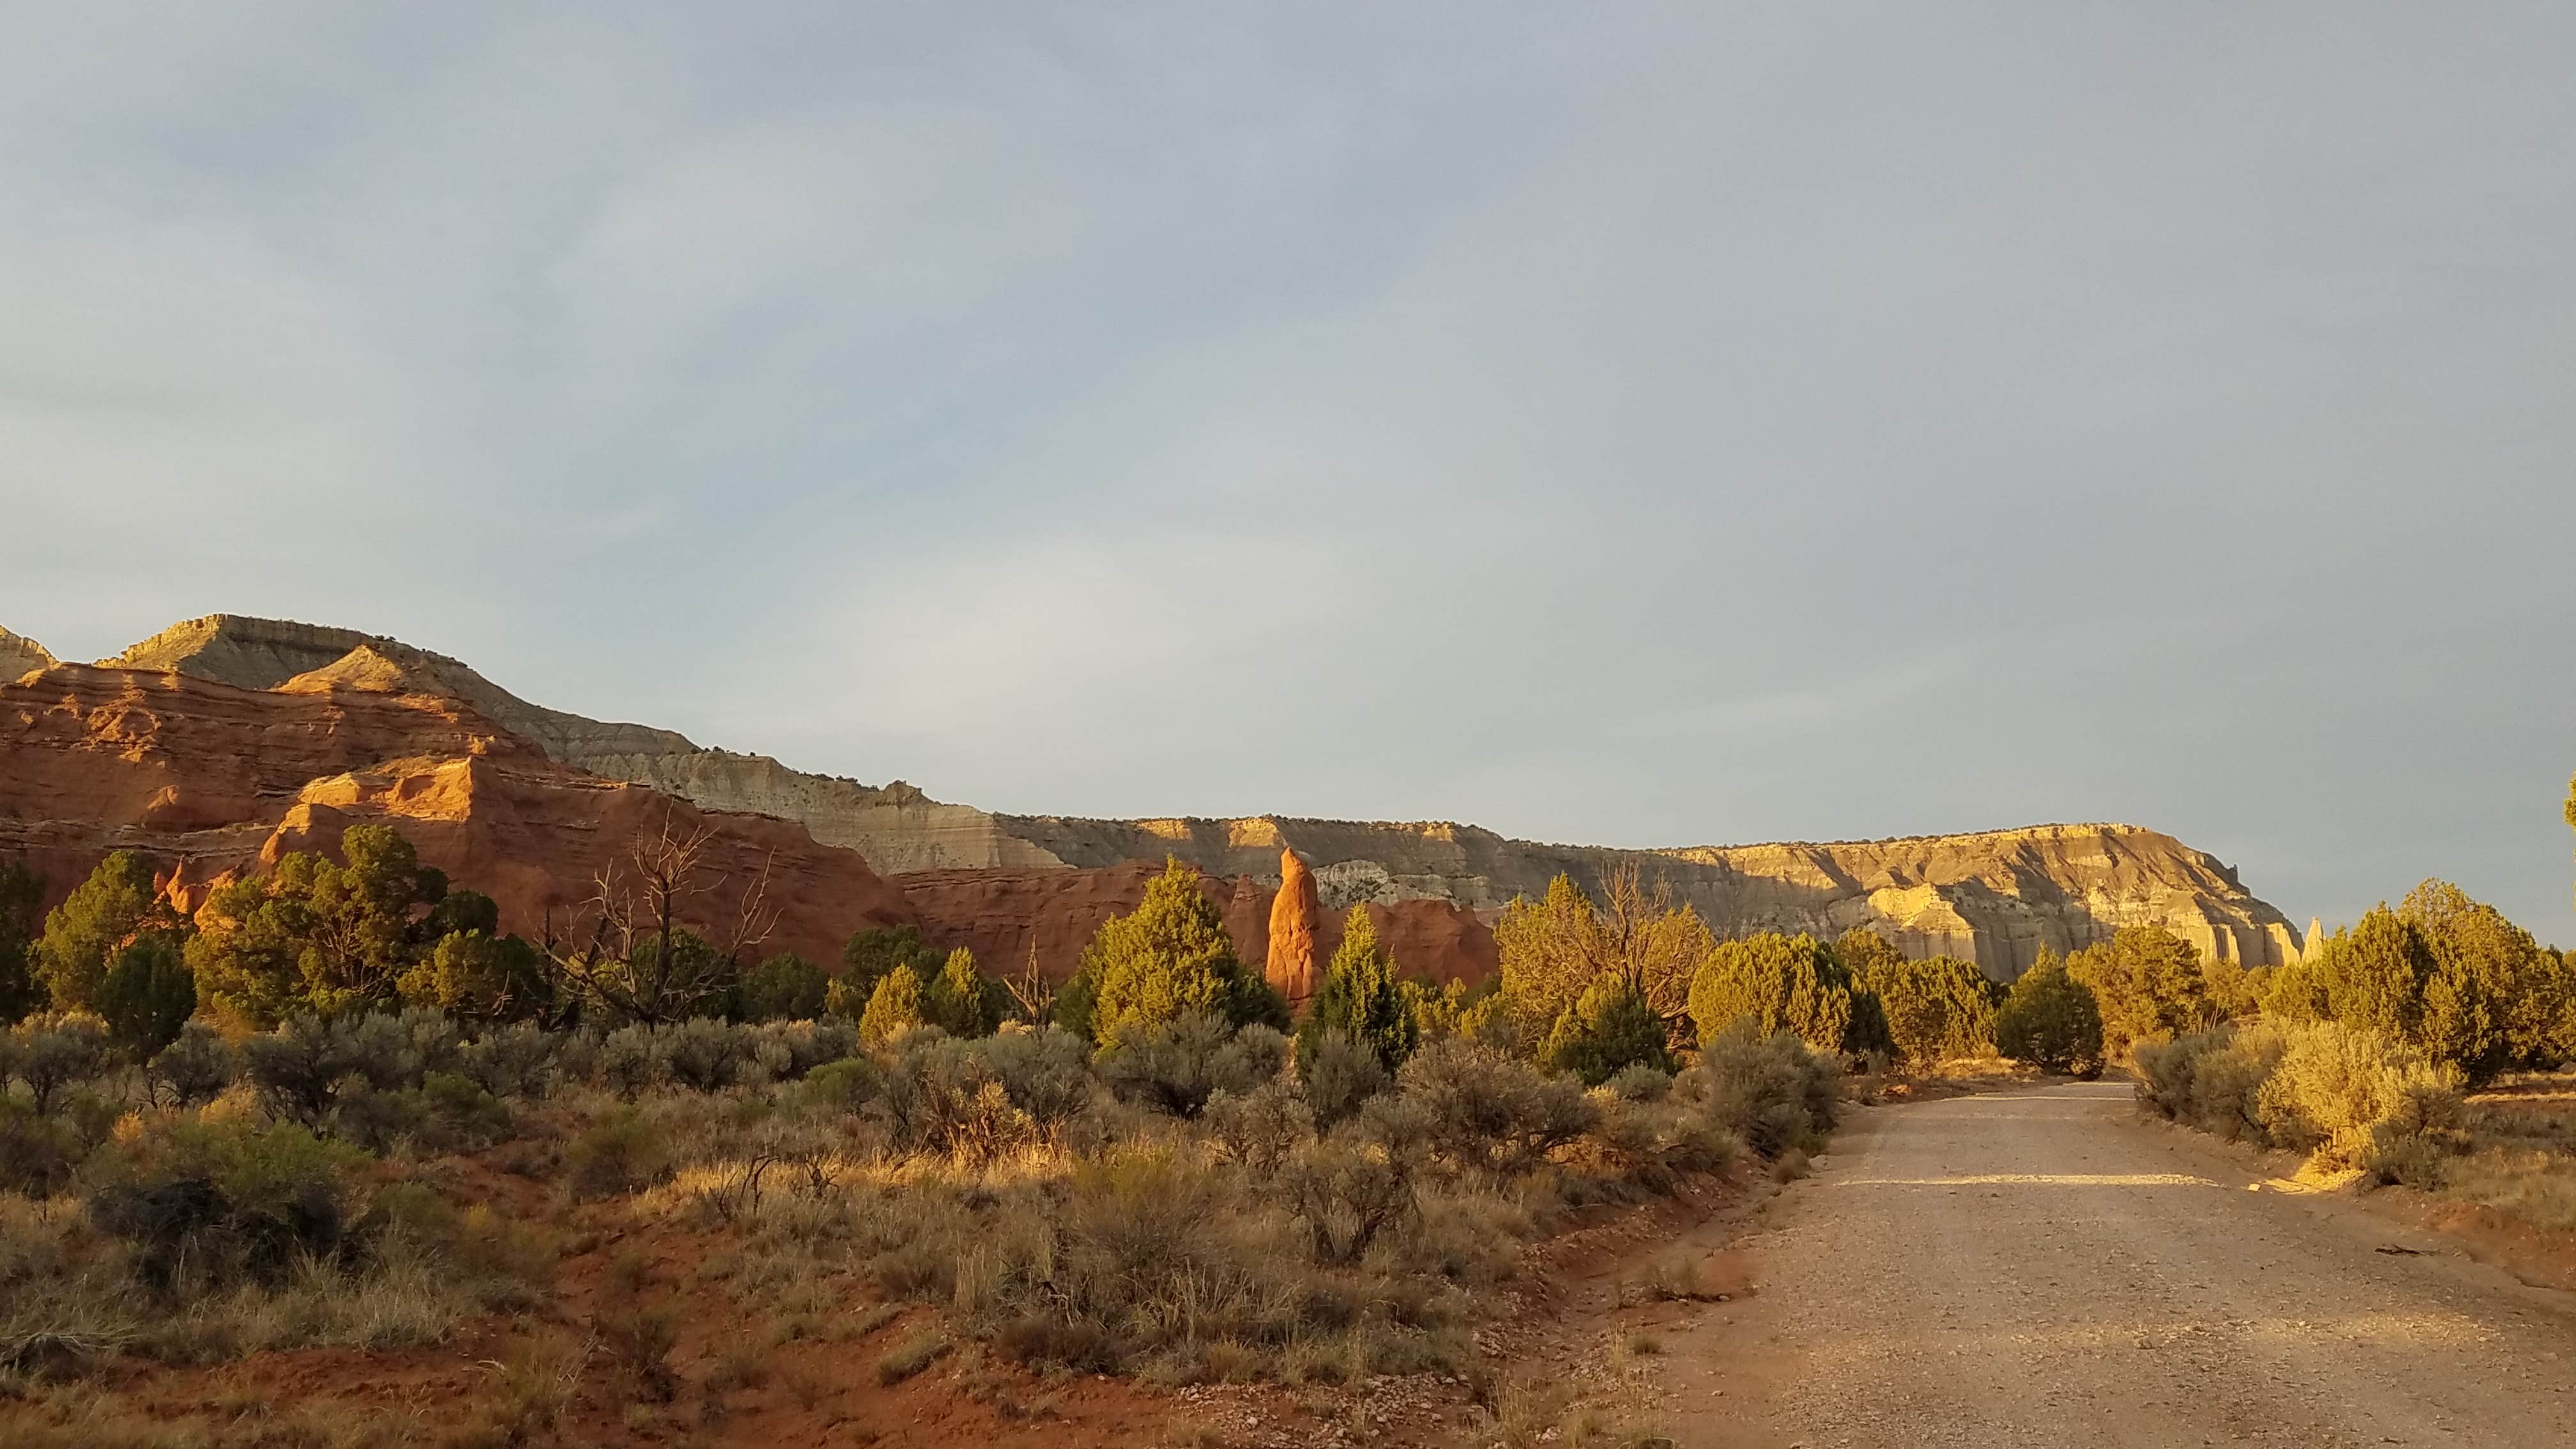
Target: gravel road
{"points": [[2038, 1267]]}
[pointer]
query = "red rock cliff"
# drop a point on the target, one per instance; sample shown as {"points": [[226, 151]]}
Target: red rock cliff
{"points": [[205, 778]]}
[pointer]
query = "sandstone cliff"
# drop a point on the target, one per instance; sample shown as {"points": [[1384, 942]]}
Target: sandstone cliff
{"points": [[19, 654], [254, 653], [206, 778], [1995, 897]]}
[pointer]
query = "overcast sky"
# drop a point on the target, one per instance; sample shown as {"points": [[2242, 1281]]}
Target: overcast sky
{"points": [[1633, 424]]}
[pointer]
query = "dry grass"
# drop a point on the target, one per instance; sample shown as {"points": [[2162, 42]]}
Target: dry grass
{"points": [[2522, 1158]]}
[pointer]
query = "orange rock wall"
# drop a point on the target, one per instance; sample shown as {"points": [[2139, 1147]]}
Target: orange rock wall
{"points": [[206, 778]]}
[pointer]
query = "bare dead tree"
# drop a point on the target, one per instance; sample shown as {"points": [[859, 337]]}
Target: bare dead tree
{"points": [[667, 929], [1030, 991], [1650, 943]]}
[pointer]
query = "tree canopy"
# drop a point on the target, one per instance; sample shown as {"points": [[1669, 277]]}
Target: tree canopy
{"points": [[1361, 997], [1776, 983]]}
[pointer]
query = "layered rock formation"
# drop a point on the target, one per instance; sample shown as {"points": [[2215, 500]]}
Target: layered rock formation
{"points": [[1004, 883], [1013, 918], [1289, 954], [206, 778], [19, 654]]}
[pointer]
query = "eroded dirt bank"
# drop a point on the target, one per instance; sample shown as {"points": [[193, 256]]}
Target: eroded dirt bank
{"points": [[2039, 1268]]}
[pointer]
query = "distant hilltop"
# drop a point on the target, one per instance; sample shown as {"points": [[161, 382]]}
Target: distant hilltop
{"points": [[1031, 884]]}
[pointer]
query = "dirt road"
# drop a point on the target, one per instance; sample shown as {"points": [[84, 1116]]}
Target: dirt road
{"points": [[2039, 1268]]}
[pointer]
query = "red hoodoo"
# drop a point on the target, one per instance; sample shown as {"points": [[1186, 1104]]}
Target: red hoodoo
{"points": [[1290, 961]]}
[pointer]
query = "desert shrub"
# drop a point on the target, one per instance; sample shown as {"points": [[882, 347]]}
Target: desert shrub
{"points": [[1260, 1128], [848, 1085], [1774, 1092], [302, 1069], [2348, 1098], [2212, 1080], [2050, 1020], [1046, 1071], [1609, 1028], [630, 1060], [808, 1043], [2353, 1099], [703, 1053], [1480, 1109], [619, 1153], [52, 1051], [465, 1113], [207, 1205], [38, 1154], [1337, 1074], [1175, 1064], [1775, 983], [1346, 1191], [509, 1060], [1640, 1082], [946, 1099], [194, 1067]]}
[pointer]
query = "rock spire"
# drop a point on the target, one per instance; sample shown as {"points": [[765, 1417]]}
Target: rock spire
{"points": [[1290, 961]]}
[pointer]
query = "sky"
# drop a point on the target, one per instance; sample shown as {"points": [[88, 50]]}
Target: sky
{"points": [[1628, 424]]}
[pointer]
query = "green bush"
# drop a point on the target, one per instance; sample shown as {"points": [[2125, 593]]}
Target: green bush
{"points": [[1608, 1029], [894, 1008], [1935, 1010], [1169, 957], [2050, 1021], [146, 994], [1774, 983], [785, 987], [1360, 998], [102, 915], [22, 898]]}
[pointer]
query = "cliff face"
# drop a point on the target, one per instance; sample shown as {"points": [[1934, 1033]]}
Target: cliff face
{"points": [[1002, 882], [206, 778], [253, 653], [19, 654], [1995, 897]]}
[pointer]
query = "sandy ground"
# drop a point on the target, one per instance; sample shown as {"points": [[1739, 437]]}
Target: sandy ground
{"points": [[2038, 1267]]}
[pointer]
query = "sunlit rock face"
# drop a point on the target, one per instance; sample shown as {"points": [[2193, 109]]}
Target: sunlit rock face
{"points": [[1009, 884], [1290, 963], [19, 654], [207, 779]]}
